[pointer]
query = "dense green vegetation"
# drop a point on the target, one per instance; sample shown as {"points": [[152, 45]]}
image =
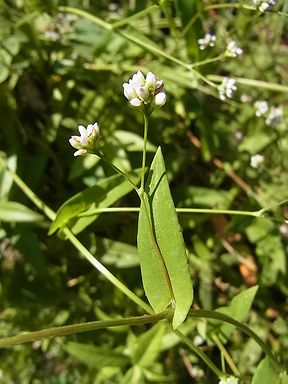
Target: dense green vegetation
{"points": [[62, 64]]}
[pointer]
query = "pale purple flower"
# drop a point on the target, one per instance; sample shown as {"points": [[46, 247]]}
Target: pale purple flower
{"points": [[85, 143]]}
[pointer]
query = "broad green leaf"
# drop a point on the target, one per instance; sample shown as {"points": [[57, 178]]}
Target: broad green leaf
{"points": [[265, 373], [148, 346], [102, 195], [11, 211], [161, 247], [96, 357], [238, 309]]}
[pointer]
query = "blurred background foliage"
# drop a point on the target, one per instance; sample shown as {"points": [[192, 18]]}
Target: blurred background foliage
{"points": [[58, 70]]}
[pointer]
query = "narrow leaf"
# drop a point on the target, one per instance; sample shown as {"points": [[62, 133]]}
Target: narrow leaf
{"points": [[11, 211], [148, 346], [161, 247], [96, 357]]}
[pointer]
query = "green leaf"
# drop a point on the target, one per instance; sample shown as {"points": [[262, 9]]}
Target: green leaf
{"points": [[265, 373], [133, 375], [96, 357], [238, 309], [256, 142], [148, 346], [161, 247], [6, 180], [102, 195], [132, 142], [11, 211]]}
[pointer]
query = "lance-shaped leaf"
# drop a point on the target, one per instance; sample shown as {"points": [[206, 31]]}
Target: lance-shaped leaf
{"points": [[161, 247]]}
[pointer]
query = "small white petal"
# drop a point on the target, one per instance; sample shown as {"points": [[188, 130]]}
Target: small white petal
{"points": [[82, 130], [81, 152], [75, 142], [135, 102], [129, 91], [142, 93], [150, 81], [160, 99]]}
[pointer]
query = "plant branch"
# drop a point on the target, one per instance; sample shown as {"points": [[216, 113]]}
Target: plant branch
{"points": [[80, 327]]}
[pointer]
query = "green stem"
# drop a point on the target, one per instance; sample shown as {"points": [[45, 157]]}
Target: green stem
{"points": [[145, 135], [208, 61], [178, 210], [80, 327], [118, 170], [226, 355], [200, 353], [254, 83], [243, 327], [134, 17], [87, 16], [77, 244]]}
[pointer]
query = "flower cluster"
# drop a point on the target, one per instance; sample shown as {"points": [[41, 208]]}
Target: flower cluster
{"points": [[264, 5], [140, 91], [275, 117], [207, 40], [256, 160], [227, 88], [86, 142], [232, 50], [261, 107]]}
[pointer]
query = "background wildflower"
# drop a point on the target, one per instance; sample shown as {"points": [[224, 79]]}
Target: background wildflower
{"points": [[207, 40], [227, 88], [232, 50], [256, 160], [261, 107]]}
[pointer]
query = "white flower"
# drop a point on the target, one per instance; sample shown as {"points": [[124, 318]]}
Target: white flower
{"points": [[264, 5], [232, 50], [261, 107], [141, 91], [275, 116], [256, 160], [229, 380], [227, 88], [85, 143], [283, 229], [207, 40]]}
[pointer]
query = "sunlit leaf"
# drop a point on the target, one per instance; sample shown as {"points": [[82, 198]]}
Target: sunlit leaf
{"points": [[162, 253]]}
